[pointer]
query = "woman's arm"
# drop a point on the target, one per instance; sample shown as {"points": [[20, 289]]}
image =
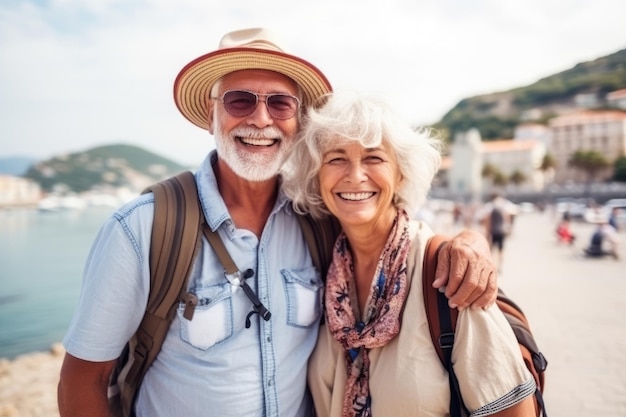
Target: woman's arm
{"points": [[525, 408]]}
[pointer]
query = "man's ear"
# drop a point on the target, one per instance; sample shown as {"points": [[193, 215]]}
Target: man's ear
{"points": [[210, 110]]}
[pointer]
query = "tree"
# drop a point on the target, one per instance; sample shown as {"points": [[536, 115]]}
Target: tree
{"points": [[489, 170], [590, 162], [499, 179], [619, 172], [518, 177], [547, 163]]}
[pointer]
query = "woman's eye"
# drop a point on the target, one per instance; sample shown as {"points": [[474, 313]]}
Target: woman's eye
{"points": [[374, 159], [335, 161]]}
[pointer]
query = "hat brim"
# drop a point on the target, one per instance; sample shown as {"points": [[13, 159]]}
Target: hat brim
{"points": [[194, 82]]}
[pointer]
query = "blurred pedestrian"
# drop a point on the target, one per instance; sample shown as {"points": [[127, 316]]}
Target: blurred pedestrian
{"points": [[497, 219], [613, 218], [563, 231], [604, 241]]}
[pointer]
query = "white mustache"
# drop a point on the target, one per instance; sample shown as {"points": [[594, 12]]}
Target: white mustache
{"points": [[269, 132]]}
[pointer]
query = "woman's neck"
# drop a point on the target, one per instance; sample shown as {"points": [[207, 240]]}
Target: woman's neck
{"points": [[366, 243], [367, 240]]}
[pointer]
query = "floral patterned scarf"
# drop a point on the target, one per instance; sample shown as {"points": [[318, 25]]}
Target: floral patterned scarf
{"points": [[381, 321]]}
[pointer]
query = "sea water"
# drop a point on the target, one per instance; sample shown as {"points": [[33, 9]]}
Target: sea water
{"points": [[42, 255]]}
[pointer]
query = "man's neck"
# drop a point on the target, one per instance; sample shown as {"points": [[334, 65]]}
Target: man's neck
{"points": [[249, 203]]}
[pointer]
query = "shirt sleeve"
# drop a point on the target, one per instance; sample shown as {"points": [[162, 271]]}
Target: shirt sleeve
{"points": [[114, 292], [488, 362]]}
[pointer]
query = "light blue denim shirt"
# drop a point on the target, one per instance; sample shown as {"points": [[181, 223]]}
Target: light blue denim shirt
{"points": [[211, 365]]}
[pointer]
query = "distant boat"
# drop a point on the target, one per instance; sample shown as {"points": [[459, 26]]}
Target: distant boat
{"points": [[50, 203], [58, 203], [101, 200]]}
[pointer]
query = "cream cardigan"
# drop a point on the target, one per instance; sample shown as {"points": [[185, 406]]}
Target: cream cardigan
{"points": [[406, 376]]}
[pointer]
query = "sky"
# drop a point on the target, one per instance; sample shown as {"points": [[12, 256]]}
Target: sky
{"points": [[75, 74]]}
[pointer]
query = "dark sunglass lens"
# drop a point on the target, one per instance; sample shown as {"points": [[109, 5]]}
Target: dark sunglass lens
{"points": [[239, 103], [282, 106]]}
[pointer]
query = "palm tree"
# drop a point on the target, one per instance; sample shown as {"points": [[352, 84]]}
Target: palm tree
{"points": [[517, 177], [589, 162], [499, 179], [547, 163], [619, 169], [547, 167], [489, 170]]}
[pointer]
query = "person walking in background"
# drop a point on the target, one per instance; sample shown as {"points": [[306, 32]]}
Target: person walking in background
{"points": [[614, 218], [497, 217], [358, 161], [250, 95]]}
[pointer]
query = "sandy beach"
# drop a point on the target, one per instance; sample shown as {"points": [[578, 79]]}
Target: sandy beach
{"points": [[28, 384], [575, 305]]}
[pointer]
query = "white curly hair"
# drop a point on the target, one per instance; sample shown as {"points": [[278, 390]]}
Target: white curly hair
{"points": [[348, 116]]}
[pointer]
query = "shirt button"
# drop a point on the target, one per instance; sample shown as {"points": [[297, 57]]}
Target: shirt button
{"points": [[269, 339]]}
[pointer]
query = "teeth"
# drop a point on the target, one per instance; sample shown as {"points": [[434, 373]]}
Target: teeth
{"points": [[356, 196], [257, 141]]}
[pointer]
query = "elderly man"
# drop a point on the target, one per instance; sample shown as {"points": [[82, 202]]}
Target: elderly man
{"points": [[250, 95]]}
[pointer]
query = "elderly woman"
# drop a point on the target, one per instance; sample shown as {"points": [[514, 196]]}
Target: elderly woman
{"points": [[358, 161]]}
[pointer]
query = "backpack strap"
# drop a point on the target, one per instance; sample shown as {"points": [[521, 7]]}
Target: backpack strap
{"points": [[441, 320], [435, 311], [174, 244], [320, 236], [442, 324], [533, 358]]}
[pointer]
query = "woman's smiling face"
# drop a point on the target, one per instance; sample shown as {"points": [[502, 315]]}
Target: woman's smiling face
{"points": [[358, 184]]}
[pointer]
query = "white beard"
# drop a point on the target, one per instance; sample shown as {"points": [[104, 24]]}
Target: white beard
{"points": [[254, 167]]}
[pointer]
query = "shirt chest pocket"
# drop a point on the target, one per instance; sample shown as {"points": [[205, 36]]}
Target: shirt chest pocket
{"points": [[212, 320], [303, 289]]}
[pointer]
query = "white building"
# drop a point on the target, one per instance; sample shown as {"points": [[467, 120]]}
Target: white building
{"points": [[524, 156], [533, 131], [586, 100], [15, 191], [466, 164], [617, 99], [601, 131], [469, 154]]}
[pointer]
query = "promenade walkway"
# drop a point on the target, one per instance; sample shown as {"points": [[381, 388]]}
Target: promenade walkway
{"points": [[577, 310]]}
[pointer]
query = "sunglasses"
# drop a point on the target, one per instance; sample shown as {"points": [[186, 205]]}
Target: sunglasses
{"points": [[241, 103]]}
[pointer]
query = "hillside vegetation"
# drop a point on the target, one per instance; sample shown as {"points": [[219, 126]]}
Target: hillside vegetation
{"points": [[105, 166], [496, 115]]}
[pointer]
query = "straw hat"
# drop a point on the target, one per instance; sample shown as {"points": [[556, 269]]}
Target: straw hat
{"points": [[240, 50]]}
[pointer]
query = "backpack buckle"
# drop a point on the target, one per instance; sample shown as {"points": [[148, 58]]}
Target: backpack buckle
{"points": [[446, 340]]}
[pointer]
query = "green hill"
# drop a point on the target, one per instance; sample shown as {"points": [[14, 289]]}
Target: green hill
{"points": [[105, 166], [496, 115]]}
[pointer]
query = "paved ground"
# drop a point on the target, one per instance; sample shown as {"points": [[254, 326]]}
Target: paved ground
{"points": [[577, 308]]}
